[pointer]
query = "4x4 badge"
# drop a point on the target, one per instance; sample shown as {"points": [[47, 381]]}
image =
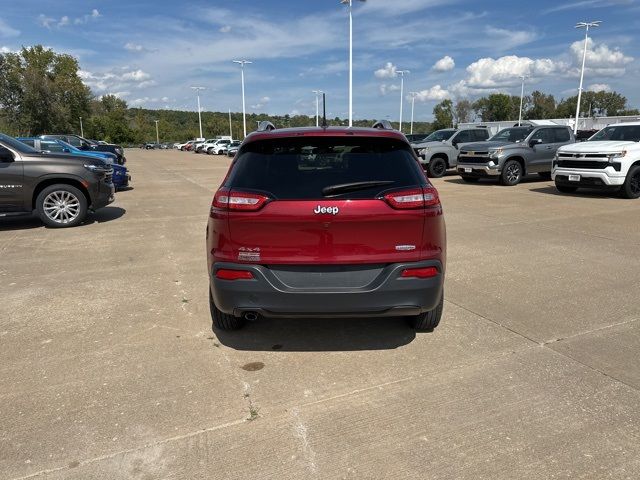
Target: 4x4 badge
{"points": [[331, 210]]}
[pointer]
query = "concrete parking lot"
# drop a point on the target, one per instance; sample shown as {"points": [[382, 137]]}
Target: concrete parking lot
{"points": [[109, 367]]}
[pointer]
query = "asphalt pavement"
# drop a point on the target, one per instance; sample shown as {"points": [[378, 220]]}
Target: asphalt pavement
{"points": [[109, 367]]}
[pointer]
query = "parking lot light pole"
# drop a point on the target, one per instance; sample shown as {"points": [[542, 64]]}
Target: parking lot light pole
{"points": [[318, 93], [402, 73], [413, 103], [81, 129], [586, 26], [197, 89], [242, 63], [350, 3], [523, 77], [157, 133]]}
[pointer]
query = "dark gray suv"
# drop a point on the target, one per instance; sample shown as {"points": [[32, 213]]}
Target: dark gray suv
{"points": [[513, 153], [60, 188]]}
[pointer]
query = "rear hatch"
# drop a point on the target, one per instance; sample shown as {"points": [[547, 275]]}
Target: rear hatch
{"points": [[316, 200]]}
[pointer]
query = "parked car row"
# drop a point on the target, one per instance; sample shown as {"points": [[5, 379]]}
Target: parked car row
{"points": [[214, 146], [56, 180], [609, 159]]}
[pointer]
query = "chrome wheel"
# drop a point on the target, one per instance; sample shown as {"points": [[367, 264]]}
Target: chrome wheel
{"points": [[61, 207], [513, 172]]}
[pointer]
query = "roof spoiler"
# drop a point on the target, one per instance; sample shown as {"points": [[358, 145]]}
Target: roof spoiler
{"points": [[383, 125], [266, 126]]}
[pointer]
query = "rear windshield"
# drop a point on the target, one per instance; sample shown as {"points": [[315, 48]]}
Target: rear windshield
{"points": [[312, 167], [629, 133]]}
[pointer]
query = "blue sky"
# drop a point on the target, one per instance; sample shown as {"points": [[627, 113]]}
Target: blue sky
{"points": [[149, 53]]}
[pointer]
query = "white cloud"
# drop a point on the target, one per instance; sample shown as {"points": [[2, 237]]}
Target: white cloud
{"points": [[116, 80], [490, 73], [135, 76], [5, 50], [601, 60], [261, 104], [45, 21], [436, 93], [132, 47], [599, 87], [225, 29], [384, 88], [507, 39], [388, 71], [65, 20], [7, 30], [445, 64]]}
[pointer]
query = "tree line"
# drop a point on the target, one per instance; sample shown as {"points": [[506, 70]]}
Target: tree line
{"points": [[41, 92], [499, 107]]}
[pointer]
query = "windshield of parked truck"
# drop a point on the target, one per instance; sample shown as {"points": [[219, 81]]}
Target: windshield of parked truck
{"points": [[17, 145], [512, 135], [440, 136], [630, 133]]}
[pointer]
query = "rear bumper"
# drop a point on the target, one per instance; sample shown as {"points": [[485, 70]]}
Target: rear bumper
{"points": [[386, 295]]}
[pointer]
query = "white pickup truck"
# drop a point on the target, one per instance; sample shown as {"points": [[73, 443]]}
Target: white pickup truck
{"points": [[609, 160]]}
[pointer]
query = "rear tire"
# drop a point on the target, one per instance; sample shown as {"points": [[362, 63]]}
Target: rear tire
{"points": [[61, 206], [428, 321], [221, 320], [566, 188], [437, 167], [468, 179], [631, 187]]}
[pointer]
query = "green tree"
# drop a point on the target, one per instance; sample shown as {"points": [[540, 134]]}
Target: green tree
{"points": [[541, 106], [497, 107], [463, 111], [443, 115], [41, 91]]}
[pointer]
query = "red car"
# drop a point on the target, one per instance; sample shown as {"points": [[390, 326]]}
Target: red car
{"points": [[326, 222]]}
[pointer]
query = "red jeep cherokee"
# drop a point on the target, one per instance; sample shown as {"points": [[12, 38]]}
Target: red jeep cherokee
{"points": [[326, 222]]}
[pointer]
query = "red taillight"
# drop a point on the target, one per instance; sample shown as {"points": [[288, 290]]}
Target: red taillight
{"points": [[226, 199], [424, 272], [413, 198], [234, 274]]}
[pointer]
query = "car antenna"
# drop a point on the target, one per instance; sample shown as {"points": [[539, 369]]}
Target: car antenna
{"points": [[324, 110]]}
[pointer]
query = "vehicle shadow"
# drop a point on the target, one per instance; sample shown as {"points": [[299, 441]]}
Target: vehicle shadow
{"points": [[583, 192], [106, 214], [319, 335], [124, 189], [23, 222], [494, 181]]}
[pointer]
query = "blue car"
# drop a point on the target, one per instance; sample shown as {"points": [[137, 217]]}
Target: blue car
{"points": [[121, 177]]}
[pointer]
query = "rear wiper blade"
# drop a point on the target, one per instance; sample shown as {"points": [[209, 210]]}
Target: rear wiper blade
{"points": [[354, 186]]}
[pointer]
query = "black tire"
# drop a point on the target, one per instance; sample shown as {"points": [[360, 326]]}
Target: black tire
{"points": [[631, 187], [437, 167], [221, 320], [566, 188], [61, 206], [545, 175], [512, 173], [469, 179], [428, 321]]}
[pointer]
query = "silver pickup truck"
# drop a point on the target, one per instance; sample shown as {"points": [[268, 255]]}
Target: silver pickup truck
{"points": [[439, 151], [513, 153]]}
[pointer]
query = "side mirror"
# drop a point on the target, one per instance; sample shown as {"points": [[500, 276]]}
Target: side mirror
{"points": [[533, 143], [66, 150]]}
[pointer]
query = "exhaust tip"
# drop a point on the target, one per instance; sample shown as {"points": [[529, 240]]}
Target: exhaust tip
{"points": [[251, 316]]}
